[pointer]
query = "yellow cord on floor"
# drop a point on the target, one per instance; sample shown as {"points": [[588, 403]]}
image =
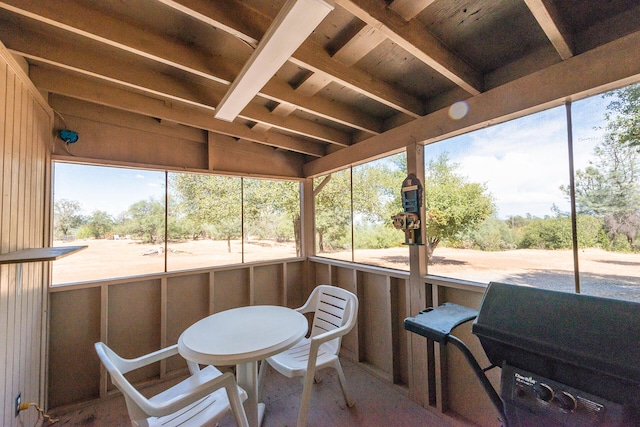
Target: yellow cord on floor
{"points": [[26, 405]]}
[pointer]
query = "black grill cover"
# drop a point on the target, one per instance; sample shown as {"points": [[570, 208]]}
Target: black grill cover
{"points": [[589, 343]]}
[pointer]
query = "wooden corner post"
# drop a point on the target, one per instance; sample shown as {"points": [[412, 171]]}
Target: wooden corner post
{"points": [[420, 354]]}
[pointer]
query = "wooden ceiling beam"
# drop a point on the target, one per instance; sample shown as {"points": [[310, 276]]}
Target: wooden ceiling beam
{"points": [[409, 9], [553, 25], [415, 39], [281, 92], [91, 90], [131, 39], [601, 32], [356, 48], [280, 110], [313, 83], [314, 58], [283, 109], [80, 60], [604, 68], [250, 26]]}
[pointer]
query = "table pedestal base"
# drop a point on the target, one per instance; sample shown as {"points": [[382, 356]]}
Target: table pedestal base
{"points": [[247, 377]]}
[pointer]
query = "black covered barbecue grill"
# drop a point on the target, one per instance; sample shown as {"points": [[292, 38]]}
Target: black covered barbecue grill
{"points": [[567, 359]]}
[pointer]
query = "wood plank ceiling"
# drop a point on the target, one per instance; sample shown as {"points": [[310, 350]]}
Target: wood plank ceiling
{"points": [[369, 67]]}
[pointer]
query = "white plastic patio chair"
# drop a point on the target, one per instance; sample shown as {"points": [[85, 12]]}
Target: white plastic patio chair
{"points": [[202, 399], [335, 314]]}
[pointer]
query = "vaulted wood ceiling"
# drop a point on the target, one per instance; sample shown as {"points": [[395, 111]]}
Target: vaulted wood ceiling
{"points": [[370, 69]]}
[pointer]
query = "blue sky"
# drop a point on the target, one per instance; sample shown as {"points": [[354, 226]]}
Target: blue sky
{"points": [[523, 162], [108, 189]]}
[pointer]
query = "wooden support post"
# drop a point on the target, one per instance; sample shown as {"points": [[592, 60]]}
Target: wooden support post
{"points": [[307, 232], [419, 356]]}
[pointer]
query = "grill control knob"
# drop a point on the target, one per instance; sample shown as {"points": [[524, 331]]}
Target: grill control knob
{"points": [[566, 401], [543, 391]]}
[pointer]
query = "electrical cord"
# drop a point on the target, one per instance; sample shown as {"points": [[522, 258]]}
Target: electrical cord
{"points": [[27, 405]]}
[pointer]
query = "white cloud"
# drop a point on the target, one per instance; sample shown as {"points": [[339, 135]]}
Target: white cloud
{"points": [[525, 161]]}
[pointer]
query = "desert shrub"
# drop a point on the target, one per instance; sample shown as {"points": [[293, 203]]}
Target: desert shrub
{"points": [[84, 232], [547, 233], [377, 236], [591, 233], [620, 243], [492, 235]]}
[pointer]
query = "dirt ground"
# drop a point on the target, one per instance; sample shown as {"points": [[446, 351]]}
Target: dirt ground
{"points": [[602, 273]]}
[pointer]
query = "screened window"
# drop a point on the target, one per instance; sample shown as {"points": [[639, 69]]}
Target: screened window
{"points": [[353, 209], [272, 219], [495, 207], [499, 200], [209, 221], [376, 198], [333, 215], [118, 213], [607, 181], [205, 221]]}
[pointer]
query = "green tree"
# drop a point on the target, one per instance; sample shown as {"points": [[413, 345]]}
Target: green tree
{"points": [[555, 233], [98, 224], [66, 216], [609, 187], [267, 203], [376, 197], [368, 193], [145, 219], [623, 114], [547, 233], [332, 195], [210, 200], [493, 234], [454, 206]]}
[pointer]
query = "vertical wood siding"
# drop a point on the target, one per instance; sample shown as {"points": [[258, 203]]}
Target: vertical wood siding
{"points": [[25, 131], [138, 315]]}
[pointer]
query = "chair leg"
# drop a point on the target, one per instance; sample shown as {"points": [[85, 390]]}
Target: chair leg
{"points": [[343, 383], [306, 398], [237, 409]]}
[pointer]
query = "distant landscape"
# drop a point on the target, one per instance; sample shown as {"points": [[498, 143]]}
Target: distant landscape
{"points": [[603, 273]]}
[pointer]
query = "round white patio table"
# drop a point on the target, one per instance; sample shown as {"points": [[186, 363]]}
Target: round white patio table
{"points": [[243, 336]]}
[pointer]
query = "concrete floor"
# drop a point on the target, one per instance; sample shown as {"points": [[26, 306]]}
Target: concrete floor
{"points": [[377, 404]]}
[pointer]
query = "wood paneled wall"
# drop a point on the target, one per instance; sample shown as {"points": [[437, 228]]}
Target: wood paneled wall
{"points": [[136, 316], [139, 315], [381, 344], [25, 135]]}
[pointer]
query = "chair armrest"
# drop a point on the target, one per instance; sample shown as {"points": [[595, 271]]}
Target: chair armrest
{"points": [[150, 358], [328, 336], [316, 341], [169, 406], [306, 308]]}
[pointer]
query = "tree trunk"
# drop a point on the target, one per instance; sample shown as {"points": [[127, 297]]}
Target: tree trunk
{"points": [[320, 242], [297, 232], [229, 244], [432, 244]]}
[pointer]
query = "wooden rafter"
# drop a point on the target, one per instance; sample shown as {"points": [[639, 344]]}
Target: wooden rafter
{"points": [[586, 74], [553, 26], [414, 38], [409, 9], [100, 93], [142, 79], [356, 48], [218, 14], [134, 40], [310, 56]]}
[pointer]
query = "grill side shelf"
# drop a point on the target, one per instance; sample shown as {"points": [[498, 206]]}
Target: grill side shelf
{"points": [[437, 323]]}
